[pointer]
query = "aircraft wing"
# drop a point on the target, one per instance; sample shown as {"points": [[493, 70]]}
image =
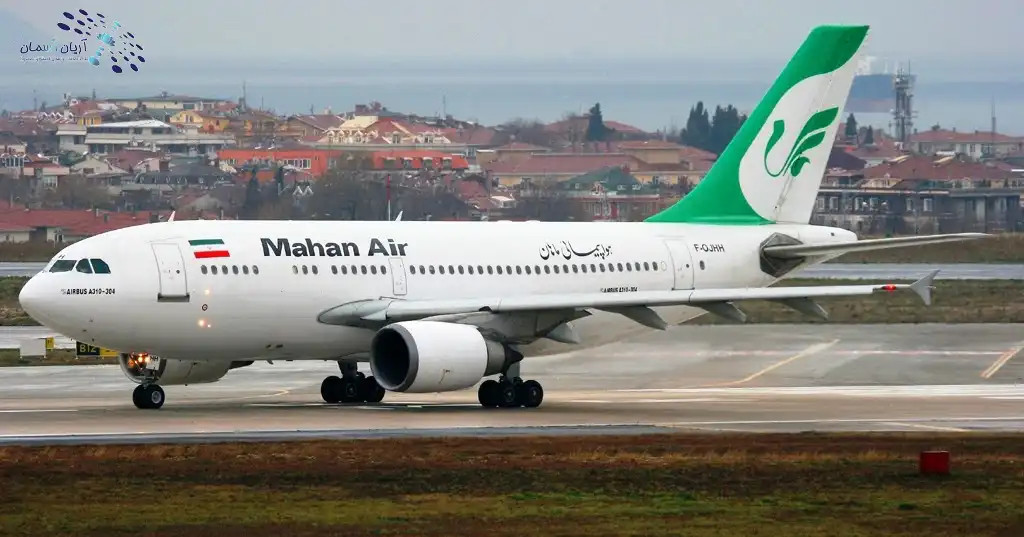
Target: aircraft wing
{"points": [[629, 304], [804, 250]]}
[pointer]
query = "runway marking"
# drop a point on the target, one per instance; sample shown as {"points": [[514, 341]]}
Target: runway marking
{"points": [[813, 349], [892, 391], [927, 427], [649, 401], [1000, 362]]}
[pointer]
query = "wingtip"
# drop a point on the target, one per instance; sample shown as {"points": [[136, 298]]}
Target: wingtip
{"points": [[923, 287]]}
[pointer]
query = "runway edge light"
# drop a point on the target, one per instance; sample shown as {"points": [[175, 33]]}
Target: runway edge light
{"points": [[934, 463]]}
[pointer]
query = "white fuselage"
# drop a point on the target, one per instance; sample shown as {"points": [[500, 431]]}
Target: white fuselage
{"points": [[267, 303]]}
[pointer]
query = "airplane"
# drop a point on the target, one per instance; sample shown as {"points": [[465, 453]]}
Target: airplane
{"points": [[441, 306]]}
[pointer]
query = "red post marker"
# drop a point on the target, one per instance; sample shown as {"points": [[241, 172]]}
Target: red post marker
{"points": [[934, 463]]}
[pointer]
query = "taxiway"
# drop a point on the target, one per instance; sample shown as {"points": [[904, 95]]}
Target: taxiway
{"points": [[712, 378]]}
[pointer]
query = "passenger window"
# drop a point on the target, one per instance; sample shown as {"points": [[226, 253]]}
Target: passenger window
{"points": [[383, 270], [462, 270], [316, 270], [100, 266], [203, 269], [83, 266], [213, 269], [519, 269], [224, 269], [431, 269], [547, 269], [234, 269], [295, 269], [469, 268], [440, 269], [412, 269], [362, 269], [245, 269], [64, 265], [373, 269], [556, 269], [255, 269], [620, 267], [354, 270], [344, 269], [305, 269], [334, 269], [451, 269], [498, 268], [611, 267], [583, 268], [647, 266]]}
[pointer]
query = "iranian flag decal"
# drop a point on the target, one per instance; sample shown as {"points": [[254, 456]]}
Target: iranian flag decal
{"points": [[208, 248]]}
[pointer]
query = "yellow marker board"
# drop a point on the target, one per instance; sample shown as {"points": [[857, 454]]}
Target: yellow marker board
{"points": [[86, 350]]}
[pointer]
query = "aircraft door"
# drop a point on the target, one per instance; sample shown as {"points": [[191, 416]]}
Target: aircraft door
{"points": [[682, 263], [398, 280], [171, 267]]}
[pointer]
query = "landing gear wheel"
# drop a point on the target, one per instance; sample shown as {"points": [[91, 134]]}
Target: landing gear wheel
{"points": [[488, 393], [331, 389], [370, 391], [530, 393], [508, 396], [149, 397], [350, 390]]}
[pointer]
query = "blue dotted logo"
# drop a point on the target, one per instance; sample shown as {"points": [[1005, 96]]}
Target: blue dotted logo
{"points": [[117, 48]]}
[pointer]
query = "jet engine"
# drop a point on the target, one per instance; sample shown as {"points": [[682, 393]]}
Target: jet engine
{"points": [[168, 372], [430, 357]]}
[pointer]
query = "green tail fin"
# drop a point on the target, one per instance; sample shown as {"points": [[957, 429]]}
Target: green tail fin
{"points": [[772, 169]]}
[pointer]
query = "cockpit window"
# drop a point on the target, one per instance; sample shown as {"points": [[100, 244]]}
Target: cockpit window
{"points": [[100, 266], [64, 265], [83, 266]]}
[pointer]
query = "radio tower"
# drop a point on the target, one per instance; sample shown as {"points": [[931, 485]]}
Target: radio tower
{"points": [[903, 114]]}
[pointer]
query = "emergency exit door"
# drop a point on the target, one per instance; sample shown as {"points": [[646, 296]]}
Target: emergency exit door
{"points": [[682, 263], [171, 268], [398, 280]]}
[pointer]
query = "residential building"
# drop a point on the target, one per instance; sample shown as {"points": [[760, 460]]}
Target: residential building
{"points": [[975, 145], [109, 137], [557, 167], [170, 102], [920, 195], [311, 160]]}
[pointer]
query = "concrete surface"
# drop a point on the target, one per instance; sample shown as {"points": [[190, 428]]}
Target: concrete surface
{"points": [[710, 378]]}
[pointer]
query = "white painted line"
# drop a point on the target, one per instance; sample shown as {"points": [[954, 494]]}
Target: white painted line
{"points": [[813, 349], [926, 427], [961, 390], [1000, 362], [848, 420]]}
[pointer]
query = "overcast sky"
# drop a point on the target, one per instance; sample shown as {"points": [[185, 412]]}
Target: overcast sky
{"points": [[314, 30]]}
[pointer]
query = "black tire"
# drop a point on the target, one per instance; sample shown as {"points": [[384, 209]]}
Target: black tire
{"points": [[139, 397], [350, 392], [330, 390], [487, 394], [370, 391], [531, 394]]}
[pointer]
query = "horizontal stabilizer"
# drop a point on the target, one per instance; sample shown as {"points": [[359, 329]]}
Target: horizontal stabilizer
{"points": [[787, 251]]}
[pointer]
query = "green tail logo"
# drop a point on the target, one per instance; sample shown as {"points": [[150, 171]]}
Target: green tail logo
{"points": [[812, 135]]}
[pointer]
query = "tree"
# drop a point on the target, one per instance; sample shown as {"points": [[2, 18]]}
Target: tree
{"points": [[851, 128], [527, 131], [596, 129], [253, 198], [869, 136], [698, 128], [724, 126]]}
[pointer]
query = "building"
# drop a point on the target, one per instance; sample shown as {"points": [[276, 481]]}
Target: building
{"points": [[169, 102], [156, 135], [314, 161], [975, 145], [921, 195]]}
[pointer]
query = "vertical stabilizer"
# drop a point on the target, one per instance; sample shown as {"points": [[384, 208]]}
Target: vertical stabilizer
{"points": [[772, 169]]}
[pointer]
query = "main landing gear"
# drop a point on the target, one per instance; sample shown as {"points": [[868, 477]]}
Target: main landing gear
{"points": [[148, 396], [351, 387], [510, 391]]}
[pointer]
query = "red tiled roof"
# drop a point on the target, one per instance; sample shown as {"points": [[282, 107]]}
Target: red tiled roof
{"points": [[320, 121], [471, 136], [73, 222], [976, 137], [580, 125], [564, 163], [646, 144], [520, 146], [923, 167]]}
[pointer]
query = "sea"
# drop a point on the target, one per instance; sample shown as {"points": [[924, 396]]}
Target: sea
{"points": [[653, 95]]}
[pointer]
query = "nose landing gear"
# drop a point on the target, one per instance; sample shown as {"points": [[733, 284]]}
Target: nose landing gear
{"points": [[149, 397]]}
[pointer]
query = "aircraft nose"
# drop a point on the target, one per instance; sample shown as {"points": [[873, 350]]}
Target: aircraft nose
{"points": [[32, 298]]}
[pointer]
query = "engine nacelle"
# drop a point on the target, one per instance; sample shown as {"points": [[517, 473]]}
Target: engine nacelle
{"points": [[168, 372], [430, 357]]}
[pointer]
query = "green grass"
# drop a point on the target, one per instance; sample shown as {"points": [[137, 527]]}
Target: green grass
{"points": [[953, 301], [682, 484]]}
